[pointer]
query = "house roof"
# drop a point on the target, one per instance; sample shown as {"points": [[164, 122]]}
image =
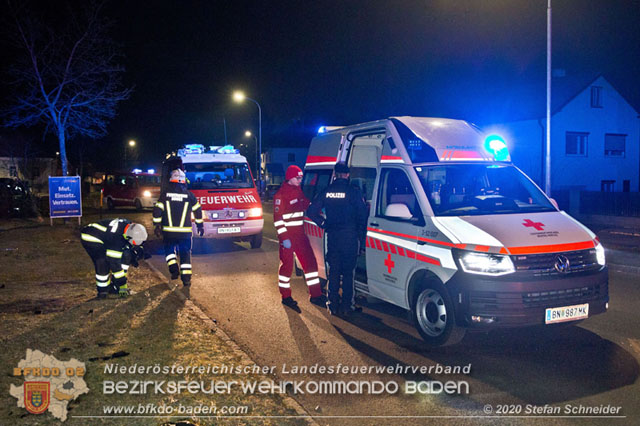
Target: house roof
{"points": [[529, 101]]}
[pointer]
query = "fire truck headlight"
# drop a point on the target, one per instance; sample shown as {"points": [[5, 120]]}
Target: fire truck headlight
{"points": [[241, 214], [146, 194], [214, 215], [485, 263], [600, 255], [255, 212]]}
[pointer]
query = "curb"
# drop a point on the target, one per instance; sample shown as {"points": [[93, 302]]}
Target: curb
{"points": [[289, 401]]}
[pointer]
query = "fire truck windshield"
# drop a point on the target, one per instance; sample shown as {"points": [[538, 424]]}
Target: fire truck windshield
{"points": [[218, 175], [480, 189]]}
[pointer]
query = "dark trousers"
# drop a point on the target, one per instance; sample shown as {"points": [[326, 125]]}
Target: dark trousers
{"points": [[98, 255], [342, 253], [182, 269]]}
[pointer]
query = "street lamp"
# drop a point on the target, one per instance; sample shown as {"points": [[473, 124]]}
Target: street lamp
{"points": [[132, 144], [248, 134], [239, 97]]}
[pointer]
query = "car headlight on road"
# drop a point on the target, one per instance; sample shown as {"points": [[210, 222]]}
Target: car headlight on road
{"points": [[146, 194], [485, 263], [600, 255], [255, 212]]}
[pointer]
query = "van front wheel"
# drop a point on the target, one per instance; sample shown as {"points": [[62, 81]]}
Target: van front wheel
{"points": [[434, 318]]}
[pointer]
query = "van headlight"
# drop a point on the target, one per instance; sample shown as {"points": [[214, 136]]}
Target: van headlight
{"points": [[484, 263], [255, 212], [146, 194], [600, 255]]}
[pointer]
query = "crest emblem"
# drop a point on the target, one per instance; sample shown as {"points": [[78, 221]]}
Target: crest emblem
{"points": [[36, 396]]}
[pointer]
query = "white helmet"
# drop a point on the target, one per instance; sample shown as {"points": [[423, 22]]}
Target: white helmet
{"points": [[136, 234], [178, 176]]}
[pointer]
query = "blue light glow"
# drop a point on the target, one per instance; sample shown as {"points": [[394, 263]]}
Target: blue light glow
{"points": [[322, 129], [496, 145], [151, 171], [136, 171]]}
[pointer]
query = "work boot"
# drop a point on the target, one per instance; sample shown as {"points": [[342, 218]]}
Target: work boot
{"points": [[186, 284], [288, 301], [102, 295], [349, 310], [123, 291], [318, 300]]}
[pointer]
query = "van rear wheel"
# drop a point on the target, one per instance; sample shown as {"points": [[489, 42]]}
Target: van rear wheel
{"points": [[110, 205], [434, 316], [138, 204]]}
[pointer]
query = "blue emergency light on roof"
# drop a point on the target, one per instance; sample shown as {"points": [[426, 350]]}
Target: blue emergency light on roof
{"points": [[227, 149], [151, 171], [322, 129], [136, 171], [496, 145]]}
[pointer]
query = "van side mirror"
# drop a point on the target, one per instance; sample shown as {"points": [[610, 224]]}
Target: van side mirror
{"points": [[554, 202], [398, 210]]}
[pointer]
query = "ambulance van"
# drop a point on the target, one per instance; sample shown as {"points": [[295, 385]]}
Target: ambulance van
{"points": [[221, 180], [456, 234]]}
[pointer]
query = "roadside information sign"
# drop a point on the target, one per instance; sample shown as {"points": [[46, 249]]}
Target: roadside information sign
{"points": [[64, 197]]}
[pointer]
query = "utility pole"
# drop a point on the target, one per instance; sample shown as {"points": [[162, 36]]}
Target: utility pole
{"points": [[547, 173]]}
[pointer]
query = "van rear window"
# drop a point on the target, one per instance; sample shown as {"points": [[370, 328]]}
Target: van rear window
{"points": [[314, 182]]}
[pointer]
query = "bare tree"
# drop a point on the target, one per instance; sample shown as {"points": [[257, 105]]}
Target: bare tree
{"points": [[68, 77]]}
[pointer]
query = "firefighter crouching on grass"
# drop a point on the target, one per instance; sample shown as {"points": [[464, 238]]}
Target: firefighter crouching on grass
{"points": [[289, 205], [113, 244], [345, 223], [172, 220]]}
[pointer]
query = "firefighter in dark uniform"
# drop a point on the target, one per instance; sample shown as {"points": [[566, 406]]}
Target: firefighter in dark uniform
{"points": [[172, 220], [113, 245], [344, 221]]}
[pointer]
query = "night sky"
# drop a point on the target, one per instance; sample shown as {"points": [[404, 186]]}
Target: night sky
{"points": [[343, 62]]}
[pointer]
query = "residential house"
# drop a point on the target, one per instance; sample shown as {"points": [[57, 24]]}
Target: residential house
{"points": [[595, 137]]}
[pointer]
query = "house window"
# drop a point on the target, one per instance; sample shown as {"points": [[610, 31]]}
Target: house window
{"points": [[13, 172], [626, 185], [291, 157], [607, 185], [614, 145], [576, 143], [596, 97]]}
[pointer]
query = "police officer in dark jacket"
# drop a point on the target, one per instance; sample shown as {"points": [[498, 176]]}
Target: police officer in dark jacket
{"points": [[172, 220], [344, 221]]}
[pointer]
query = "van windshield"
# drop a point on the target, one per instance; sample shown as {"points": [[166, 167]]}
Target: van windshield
{"points": [[218, 175], [480, 189]]}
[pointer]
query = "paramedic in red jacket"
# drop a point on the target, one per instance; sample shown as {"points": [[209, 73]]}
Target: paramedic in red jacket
{"points": [[289, 205]]}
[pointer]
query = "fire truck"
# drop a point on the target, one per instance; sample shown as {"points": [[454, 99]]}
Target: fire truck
{"points": [[221, 180]]}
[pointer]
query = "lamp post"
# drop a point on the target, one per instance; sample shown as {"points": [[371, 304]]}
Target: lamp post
{"points": [[248, 134], [239, 97], [132, 144]]}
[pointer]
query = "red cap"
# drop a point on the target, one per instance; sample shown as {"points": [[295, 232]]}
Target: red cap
{"points": [[292, 171]]}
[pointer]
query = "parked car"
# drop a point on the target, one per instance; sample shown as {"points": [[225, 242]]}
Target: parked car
{"points": [[134, 189], [15, 198]]}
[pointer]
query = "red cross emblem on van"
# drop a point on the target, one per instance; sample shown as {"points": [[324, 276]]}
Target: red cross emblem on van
{"points": [[538, 226], [390, 264]]}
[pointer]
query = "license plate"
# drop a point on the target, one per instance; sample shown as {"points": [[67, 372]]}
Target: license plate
{"points": [[229, 230], [566, 313]]}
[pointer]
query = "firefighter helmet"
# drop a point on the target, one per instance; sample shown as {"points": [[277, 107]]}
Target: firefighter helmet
{"points": [[178, 176], [136, 234]]}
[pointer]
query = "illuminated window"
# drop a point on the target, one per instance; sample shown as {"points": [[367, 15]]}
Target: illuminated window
{"points": [[576, 143], [596, 97], [614, 145]]}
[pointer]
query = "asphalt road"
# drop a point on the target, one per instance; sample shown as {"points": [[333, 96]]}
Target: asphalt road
{"points": [[592, 364]]}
